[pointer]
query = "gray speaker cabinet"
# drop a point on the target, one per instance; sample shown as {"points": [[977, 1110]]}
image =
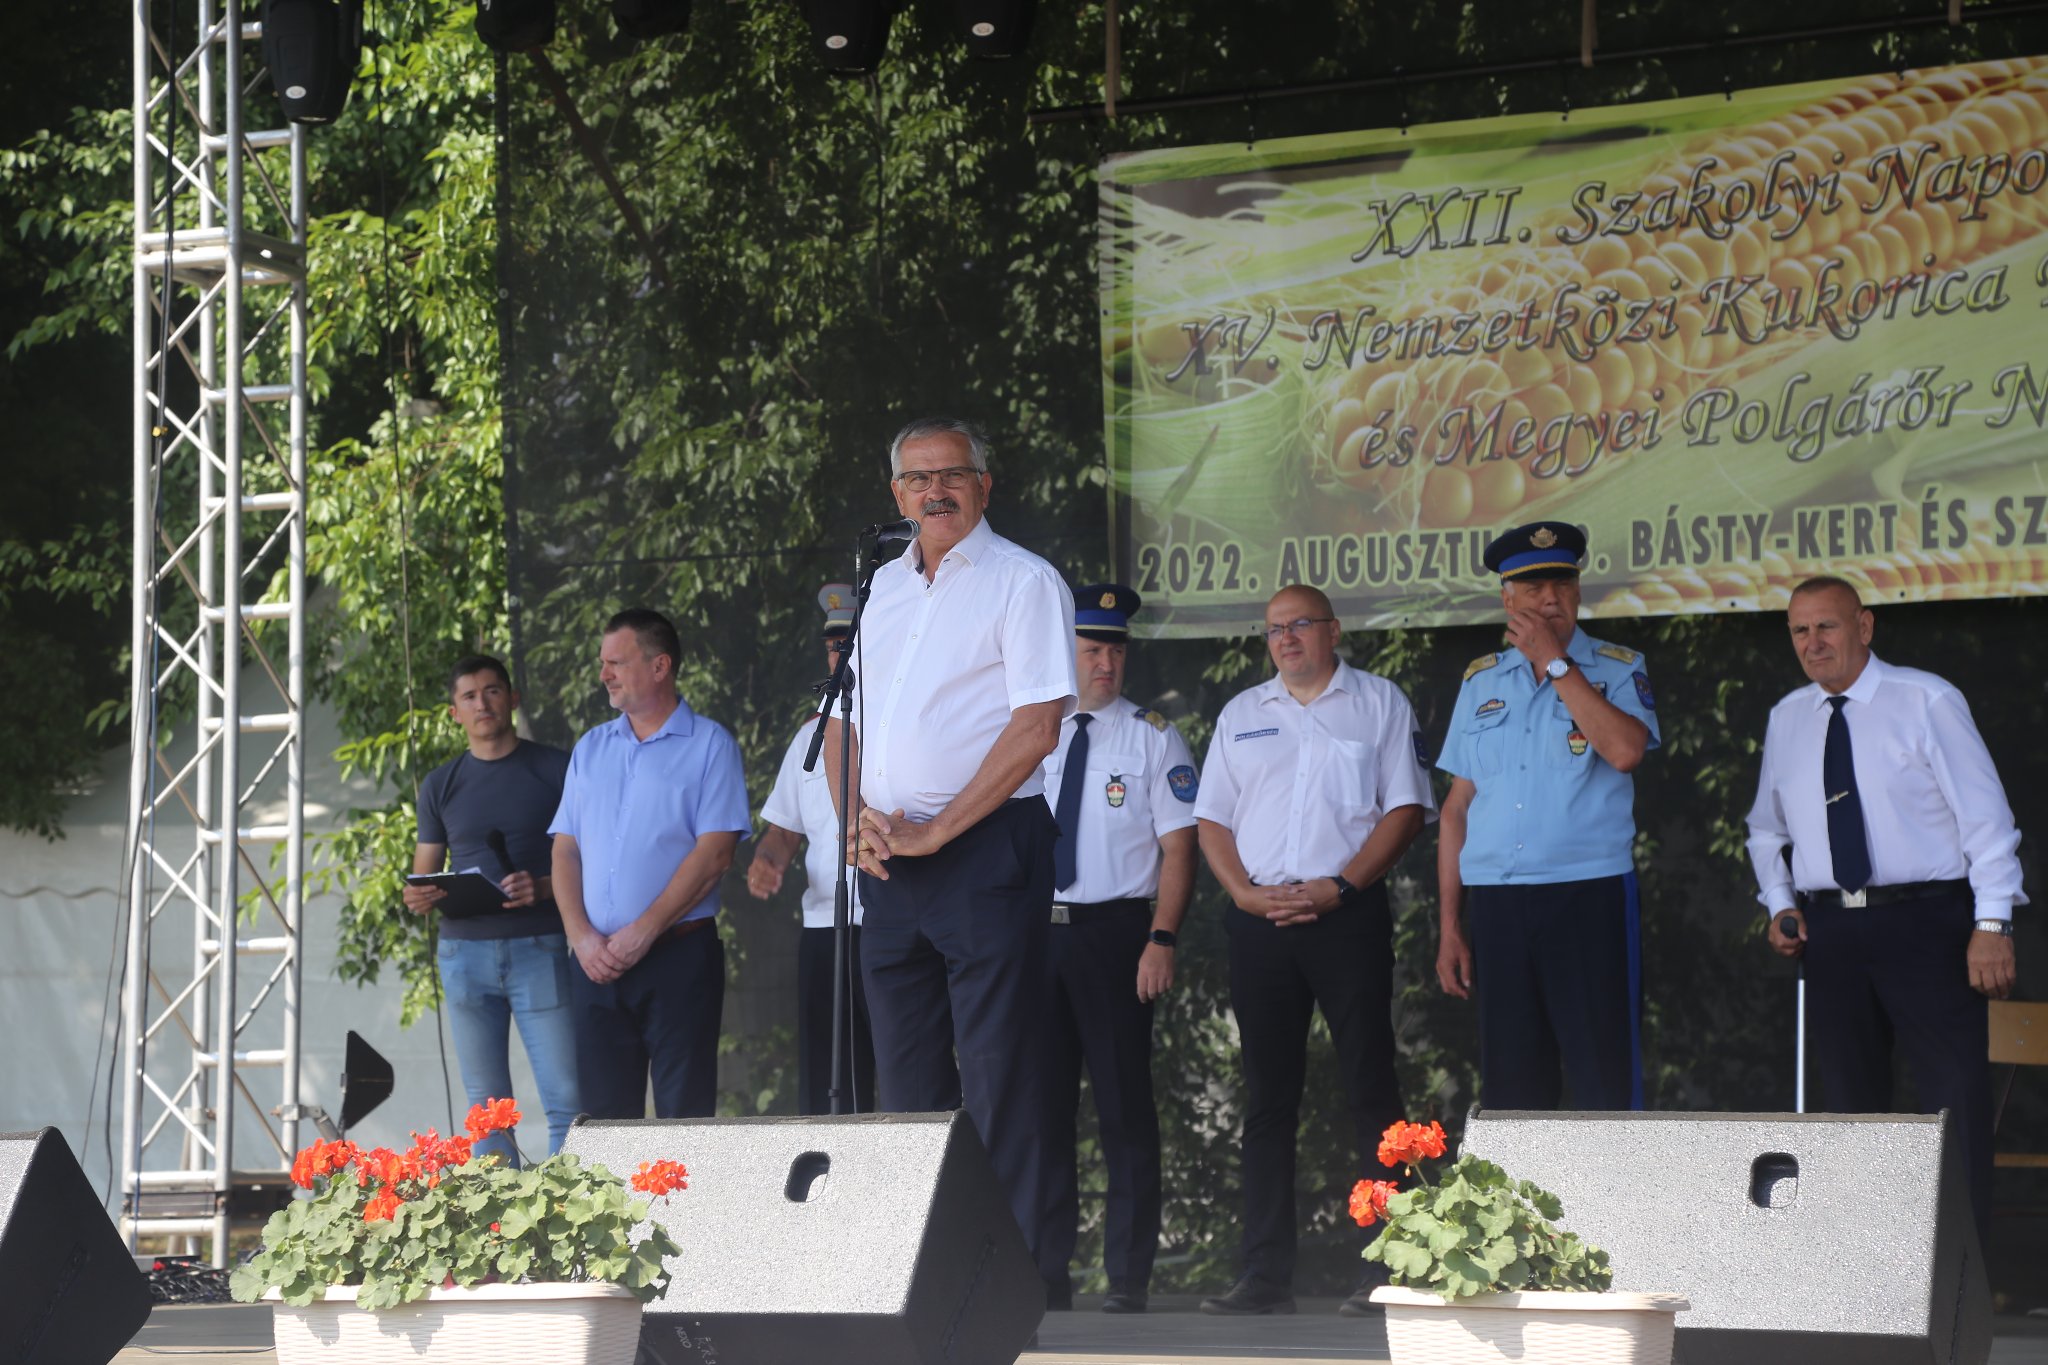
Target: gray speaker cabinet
{"points": [[878, 1238], [69, 1291], [1817, 1239]]}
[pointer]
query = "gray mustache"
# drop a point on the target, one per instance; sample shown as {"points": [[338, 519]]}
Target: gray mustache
{"points": [[936, 505]]}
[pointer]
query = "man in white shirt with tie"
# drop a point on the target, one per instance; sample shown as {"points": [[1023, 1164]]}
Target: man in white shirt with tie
{"points": [[964, 668], [1904, 872]]}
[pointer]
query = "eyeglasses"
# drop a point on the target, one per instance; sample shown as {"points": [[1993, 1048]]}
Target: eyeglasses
{"points": [[952, 476], [1297, 626]]}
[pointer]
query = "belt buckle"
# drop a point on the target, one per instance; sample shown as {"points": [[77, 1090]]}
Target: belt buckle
{"points": [[1060, 915], [1855, 900]]}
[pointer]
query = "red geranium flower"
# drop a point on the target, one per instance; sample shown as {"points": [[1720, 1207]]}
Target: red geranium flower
{"points": [[322, 1158], [1406, 1144], [1369, 1201], [490, 1117], [383, 1206], [658, 1178]]}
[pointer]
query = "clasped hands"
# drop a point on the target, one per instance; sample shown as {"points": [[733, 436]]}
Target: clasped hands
{"points": [[1291, 902], [876, 838]]}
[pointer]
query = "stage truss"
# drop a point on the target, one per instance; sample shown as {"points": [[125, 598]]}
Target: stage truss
{"points": [[210, 997]]}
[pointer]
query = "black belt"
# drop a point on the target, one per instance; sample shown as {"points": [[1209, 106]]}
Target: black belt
{"points": [[1883, 895], [1069, 912]]}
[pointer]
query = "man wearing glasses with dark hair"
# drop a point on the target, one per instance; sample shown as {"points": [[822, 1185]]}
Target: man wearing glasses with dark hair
{"points": [[1313, 787], [964, 669]]}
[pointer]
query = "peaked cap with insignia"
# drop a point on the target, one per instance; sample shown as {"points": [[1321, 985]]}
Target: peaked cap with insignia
{"points": [[1103, 611], [836, 600], [1542, 549]]}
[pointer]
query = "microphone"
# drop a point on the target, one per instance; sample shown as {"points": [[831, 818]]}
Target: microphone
{"points": [[496, 839], [884, 531], [1788, 925]]}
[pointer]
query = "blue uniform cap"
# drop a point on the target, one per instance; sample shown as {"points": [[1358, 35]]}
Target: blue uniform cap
{"points": [[1542, 549], [1103, 611], [837, 601]]}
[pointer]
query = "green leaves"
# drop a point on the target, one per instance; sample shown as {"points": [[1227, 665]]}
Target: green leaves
{"points": [[1477, 1231]]}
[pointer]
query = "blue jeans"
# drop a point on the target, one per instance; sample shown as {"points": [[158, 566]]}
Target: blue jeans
{"points": [[488, 982]]}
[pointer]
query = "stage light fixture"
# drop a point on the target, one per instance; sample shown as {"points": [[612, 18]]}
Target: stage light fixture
{"points": [[310, 49], [651, 18], [995, 28], [515, 25], [848, 36]]}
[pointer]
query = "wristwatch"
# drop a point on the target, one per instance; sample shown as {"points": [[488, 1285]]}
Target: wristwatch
{"points": [[1994, 926], [1165, 938], [1347, 894], [1558, 667]]}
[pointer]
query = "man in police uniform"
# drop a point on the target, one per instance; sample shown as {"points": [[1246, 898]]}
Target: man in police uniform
{"points": [[965, 670], [1537, 883], [1313, 788], [799, 807], [1121, 783], [1906, 868]]}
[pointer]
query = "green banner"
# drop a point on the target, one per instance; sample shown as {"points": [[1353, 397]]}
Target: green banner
{"points": [[1740, 340]]}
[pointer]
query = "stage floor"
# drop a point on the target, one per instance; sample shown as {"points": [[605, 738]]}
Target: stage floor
{"points": [[1172, 1332]]}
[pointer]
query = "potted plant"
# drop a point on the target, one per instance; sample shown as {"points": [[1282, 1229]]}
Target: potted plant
{"points": [[435, 1250], [1478, 1271]]}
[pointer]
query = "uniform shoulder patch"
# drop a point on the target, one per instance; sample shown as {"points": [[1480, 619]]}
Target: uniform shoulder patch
{"points": [[1183, 782], [1618, 653], [1153, 718], [1480, 665]]}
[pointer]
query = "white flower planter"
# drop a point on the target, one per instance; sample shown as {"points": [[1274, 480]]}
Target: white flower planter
{"points": [[1535, 1327], [491, 1324]]}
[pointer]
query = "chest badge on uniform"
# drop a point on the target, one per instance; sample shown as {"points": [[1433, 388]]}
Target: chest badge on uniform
{"points": [[1576, 742], [1114, 789], [1181, 778], [1490, 705]]}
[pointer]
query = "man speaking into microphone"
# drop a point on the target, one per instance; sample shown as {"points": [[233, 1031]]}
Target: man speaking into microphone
{"points": [[965, 670]]}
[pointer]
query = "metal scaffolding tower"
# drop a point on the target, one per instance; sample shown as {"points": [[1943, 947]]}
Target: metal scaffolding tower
{"points": [[217, 820]]}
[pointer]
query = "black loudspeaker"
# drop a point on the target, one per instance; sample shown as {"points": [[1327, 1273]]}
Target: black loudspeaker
{"points": [[848, 36], [515, 25], [651, 18], [870, 1239], [1816, 1239], [994, 28], [69, 1291], [310, 49]]}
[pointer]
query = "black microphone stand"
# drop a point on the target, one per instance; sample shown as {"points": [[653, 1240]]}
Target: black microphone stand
{"points": [[840, 685]]}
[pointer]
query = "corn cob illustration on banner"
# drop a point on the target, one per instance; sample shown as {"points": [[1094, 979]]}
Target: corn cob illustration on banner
{"points": [[1740, 339]]}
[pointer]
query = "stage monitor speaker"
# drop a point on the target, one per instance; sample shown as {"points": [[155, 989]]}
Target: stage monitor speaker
{"points": [[1820, 1239], [69, 1291], [870, 1239]]}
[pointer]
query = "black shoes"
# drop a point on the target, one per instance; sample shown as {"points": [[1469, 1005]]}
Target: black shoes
{"points": [[1360, 1304], [1124, 1297], [1249, 1297], [1059, 1296]]}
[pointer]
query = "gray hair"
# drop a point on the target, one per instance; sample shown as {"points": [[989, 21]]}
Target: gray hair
{"points": [[977, 444]]}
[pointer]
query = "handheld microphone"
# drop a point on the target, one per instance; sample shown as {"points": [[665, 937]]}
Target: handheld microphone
{"points": [[1788, 925], [883, 531], [496, 839]]}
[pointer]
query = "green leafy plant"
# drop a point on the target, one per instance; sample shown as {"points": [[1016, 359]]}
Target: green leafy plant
{"points": [[1474, 1230], [397, 1224]]}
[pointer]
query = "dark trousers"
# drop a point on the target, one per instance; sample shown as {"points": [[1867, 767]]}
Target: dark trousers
{"points": [[1559, 971], [960, 935], [1098, 1018], [1895, 975], [659, 1021], [814, 1028], [1342, 964]]}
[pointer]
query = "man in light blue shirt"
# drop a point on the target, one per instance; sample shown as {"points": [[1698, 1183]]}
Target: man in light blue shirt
{"points": [[652, 809], [1537, 883]]}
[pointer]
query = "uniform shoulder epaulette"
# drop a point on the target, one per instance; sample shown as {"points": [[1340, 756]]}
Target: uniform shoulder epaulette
{"points": [[1151, 718], [1480, 665], [1618, 653]]}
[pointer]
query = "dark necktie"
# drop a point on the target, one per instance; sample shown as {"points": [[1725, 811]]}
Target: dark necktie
{"points": [[1066, 854], [1845, 805]]}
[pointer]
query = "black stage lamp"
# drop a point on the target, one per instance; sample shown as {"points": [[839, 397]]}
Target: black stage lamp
{"points": [[515, 25], [310, 49], [651, 18], [848, 36], [995, 28]]}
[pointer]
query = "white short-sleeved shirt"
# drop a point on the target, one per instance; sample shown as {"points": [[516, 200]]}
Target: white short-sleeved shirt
{"points": [[1140, 787], [940, 666], [1933, 807], [1301, 787], [802, 801]]}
